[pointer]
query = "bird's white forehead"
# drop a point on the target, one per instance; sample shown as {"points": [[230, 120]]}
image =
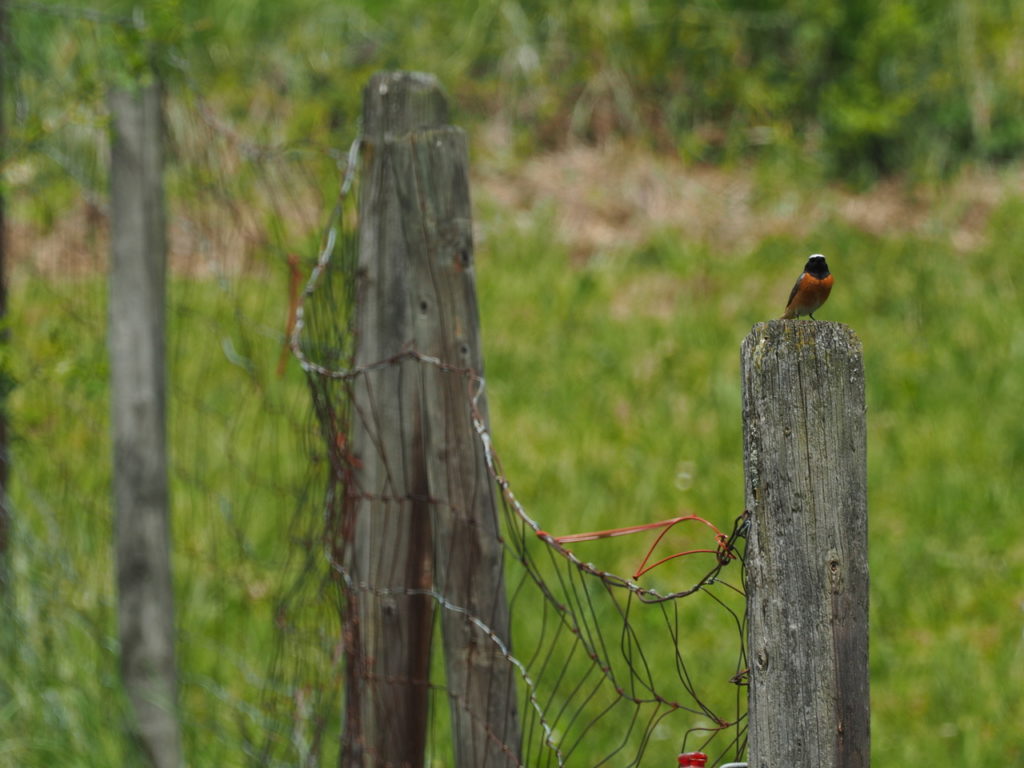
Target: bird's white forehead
{"points": [[817, 256]]}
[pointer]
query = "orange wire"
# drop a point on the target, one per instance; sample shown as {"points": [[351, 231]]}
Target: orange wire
{"points": [[664, 525]]}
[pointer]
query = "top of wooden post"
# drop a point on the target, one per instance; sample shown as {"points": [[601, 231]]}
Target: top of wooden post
{"points": [[398, 103], [802, 336]]}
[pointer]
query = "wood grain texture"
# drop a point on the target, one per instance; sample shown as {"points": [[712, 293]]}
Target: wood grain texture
{"points": [[468, 566], [425, 512], [138, 412], [387, 550], [806, 563]]}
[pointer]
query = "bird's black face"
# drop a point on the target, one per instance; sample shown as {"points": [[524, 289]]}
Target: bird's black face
{"points": [[816, 266]]}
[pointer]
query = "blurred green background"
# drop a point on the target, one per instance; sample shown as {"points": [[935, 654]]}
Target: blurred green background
{"points": [[648, 180]]}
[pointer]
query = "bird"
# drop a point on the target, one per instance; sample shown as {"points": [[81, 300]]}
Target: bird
{"points": [[811, 289]]}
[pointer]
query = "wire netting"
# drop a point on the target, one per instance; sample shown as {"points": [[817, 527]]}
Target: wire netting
{"points": [[605, 665], [623, 650], [257, 640]]}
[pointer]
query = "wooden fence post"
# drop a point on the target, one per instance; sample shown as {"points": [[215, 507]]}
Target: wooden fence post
{"points": [[421, 515], [138, 390], [806, 561], [386, 524], [467, 550]]}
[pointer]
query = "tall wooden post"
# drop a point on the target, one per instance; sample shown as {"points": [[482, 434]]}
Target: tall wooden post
{"points": [[138, 385], [806, 562], [387, 532], [421, 515], [467, 552]]}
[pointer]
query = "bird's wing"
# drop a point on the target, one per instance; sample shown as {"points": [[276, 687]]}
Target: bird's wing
{"points": [[796, 287]]}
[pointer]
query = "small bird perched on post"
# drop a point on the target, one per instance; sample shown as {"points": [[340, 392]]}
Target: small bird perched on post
{"points": [[811, 289]]}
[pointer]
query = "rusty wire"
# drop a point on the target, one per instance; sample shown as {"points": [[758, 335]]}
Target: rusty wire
{"points": [[589, 693]]}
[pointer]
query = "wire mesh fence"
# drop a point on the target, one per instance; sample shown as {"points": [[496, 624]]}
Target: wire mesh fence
{"points": [[244, 487], [618, 654], [604, 664]]}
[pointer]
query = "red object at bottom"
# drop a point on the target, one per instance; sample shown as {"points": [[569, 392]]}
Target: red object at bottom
{"points": [[698, 759]]}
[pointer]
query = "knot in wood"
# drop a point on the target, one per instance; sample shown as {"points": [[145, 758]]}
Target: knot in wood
{"points": [[835, 572]]}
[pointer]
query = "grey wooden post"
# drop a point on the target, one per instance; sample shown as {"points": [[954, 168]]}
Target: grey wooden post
{"points": [[806, 562], [424, 513], [467, 551], [387, 526], [138, 385]]}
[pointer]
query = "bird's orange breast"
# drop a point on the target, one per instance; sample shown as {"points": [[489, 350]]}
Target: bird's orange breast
{"points": [[809, 293], [813, 291]]}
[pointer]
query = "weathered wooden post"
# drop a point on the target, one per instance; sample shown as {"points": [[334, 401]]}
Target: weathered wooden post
{"points": [[386, 550], [138, 408], [806, 562], [421, 515], [467, 551]]}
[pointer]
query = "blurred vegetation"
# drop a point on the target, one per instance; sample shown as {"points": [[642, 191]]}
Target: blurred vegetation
{"points": [[612, 375], [863, 87]]}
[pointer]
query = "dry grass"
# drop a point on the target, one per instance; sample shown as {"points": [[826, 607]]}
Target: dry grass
{"points": [[616, 198], [603, 200]]}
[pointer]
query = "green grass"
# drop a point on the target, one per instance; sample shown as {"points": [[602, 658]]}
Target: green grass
{"points": [[613, 378], [598, 397], [245, 522], [613, 386]]}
